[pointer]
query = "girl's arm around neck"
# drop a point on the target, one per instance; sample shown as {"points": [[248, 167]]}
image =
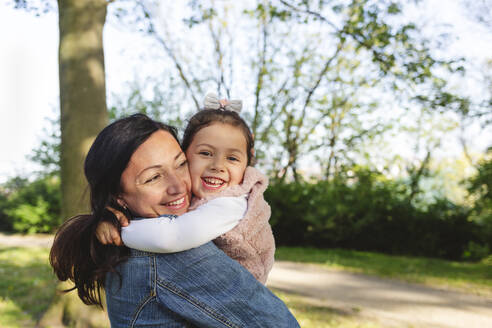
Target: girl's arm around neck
{"points": [[190, 230]]}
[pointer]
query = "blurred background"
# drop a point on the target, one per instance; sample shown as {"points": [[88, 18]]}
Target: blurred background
{"points": [[372, 118]]}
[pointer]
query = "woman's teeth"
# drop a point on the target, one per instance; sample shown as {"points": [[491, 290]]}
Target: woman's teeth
{"points": [[176, 202]]}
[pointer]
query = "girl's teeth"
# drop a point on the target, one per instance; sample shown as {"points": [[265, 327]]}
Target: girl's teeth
{"points": [[213, 181], [176, 202]]}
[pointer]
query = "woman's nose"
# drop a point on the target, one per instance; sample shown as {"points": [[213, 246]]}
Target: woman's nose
{"points": [[176, 185]]}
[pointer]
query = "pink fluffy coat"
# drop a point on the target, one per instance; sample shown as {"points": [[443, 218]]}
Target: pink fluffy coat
{"points": [[251, 242]]}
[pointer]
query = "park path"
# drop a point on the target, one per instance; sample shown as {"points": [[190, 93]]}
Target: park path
{"points": [[25, 240], [391, 303]]}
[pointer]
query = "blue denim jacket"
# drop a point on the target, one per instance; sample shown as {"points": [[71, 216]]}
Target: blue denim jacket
{"points": [[199, 287]]}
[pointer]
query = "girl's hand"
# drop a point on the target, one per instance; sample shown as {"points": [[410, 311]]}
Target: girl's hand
{"points": [[119, 215], [107, 233]]}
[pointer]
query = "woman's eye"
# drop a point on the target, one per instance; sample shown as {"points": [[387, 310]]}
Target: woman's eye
{"points": [[153, 178], [232, 158], [183, 164]]}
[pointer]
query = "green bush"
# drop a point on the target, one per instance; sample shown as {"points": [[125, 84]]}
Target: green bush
{"points": [[30, 207], [5, 224], [480, 191], [370, 213], [476, 251]]}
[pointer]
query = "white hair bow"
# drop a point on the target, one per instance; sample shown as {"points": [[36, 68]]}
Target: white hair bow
{"points": [[213, 102]]}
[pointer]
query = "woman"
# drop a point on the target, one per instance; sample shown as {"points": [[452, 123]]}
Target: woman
{"points": [[199, 287]]}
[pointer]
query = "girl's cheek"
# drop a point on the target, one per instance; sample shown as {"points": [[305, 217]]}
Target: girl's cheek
{"points": [[195, 178], [195, 189], [193, 173]]}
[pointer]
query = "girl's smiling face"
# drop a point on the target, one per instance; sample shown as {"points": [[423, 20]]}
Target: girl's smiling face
{"points": [[217, 158]]}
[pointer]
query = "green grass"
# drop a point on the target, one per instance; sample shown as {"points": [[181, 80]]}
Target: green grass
{"points": [[27, 285], [470, 277]]}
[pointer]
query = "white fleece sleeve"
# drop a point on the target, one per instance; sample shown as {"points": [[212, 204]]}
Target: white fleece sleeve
{"points": [[190, 230]]}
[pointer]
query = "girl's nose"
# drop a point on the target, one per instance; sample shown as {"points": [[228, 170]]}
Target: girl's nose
{"points": [[217, 165]]}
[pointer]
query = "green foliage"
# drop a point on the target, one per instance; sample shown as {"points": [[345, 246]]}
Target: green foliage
{"points": [[476, 251], [31, 218], [5, 224], [480, 189], [30, 207], [149, 97], [47, 154], [365, 211], [481, 184]]}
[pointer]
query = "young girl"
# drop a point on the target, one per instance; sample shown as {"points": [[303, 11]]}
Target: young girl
{"points": [[219, 147]]}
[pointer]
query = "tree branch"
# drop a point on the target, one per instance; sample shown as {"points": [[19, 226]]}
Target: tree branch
{"points": [[309, 12], [171, 54], [261, 74], [220, 57]]}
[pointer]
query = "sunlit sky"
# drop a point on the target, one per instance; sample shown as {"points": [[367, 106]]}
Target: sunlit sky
{"points": [[29, 71]]}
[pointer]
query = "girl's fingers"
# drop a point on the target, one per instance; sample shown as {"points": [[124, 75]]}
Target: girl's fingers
{"points": [[123, 219], [119, 215], [104, 233], [100, 234], [107, 238], [115, 237]]}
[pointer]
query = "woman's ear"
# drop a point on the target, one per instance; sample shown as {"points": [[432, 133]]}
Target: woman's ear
{"points": [[121, 202]]}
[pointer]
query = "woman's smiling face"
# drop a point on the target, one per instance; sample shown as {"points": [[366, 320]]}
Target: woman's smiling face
{"points": [[217, 158], [156, 180]]}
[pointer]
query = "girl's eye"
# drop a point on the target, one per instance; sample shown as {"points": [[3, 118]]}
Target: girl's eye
{"points": [[205, 153], [153, 178]]}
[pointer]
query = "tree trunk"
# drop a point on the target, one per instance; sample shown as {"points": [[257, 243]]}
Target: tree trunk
{"points": [[67, 310], [82, 94]]}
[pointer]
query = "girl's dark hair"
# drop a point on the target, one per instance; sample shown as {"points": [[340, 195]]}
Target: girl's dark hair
{"points": [[76, 253], [207, 117]]}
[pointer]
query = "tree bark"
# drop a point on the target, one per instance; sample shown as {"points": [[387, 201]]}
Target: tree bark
{"points": [[82, 94], [67, 310]]}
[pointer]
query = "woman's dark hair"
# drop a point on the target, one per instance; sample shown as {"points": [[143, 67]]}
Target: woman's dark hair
{"points": [[76, 253], [207, 117]]}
